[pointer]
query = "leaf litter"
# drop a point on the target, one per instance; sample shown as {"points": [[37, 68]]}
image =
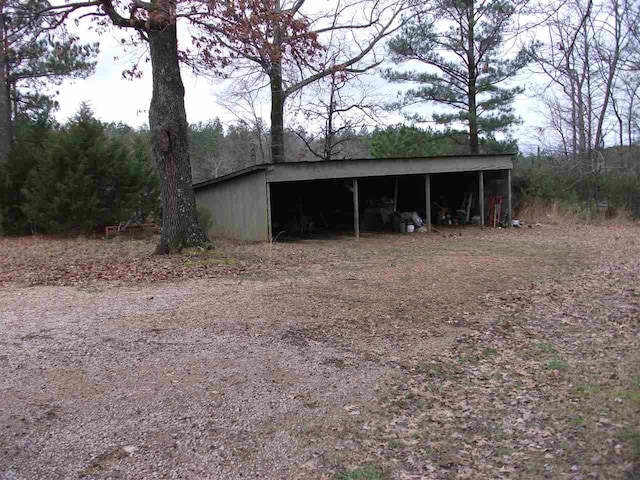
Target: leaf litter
{"points": [[472, 354]]}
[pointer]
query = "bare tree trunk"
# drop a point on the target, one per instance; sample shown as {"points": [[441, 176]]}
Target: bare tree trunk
{"points": [[169, 142], [277, 114], [328, 139], [574, 111], [616, 112], [612, 65], [277, 95], [5, 108], [630, 118]]}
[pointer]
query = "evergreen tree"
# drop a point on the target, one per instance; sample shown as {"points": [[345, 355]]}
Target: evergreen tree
{"points": [[406, 141], [145, 201], [31, 141], [461, 43], [36, 51], [409, 141], [85, 181], [205, 139]]}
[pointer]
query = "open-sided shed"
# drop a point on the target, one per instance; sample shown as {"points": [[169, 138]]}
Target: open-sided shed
{"points": [[261, 201]]}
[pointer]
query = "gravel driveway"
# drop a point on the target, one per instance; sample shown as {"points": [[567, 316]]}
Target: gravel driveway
{"points": [[148, 383], [311, 359]]}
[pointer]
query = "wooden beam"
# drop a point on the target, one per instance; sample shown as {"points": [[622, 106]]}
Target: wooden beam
{"points": [[481, 196], [509, 215], [427, 195], [395, 195], [356, 209]]}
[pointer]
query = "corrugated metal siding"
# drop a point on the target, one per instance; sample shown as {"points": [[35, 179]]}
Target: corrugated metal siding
{"points": [[238, 207], [297, 171]]}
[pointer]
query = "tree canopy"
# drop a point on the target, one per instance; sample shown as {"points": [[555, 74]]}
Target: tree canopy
{"points": [[461, 43]]}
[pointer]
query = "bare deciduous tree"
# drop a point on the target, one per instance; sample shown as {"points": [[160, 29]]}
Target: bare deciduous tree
{"points": [[281, 41], [583, 60], [333, 112]]}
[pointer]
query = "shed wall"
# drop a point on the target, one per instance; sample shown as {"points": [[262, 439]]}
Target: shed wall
{"points": [[238, 207]]}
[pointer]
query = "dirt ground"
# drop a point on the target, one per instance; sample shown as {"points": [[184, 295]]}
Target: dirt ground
{"points": [[462, 354]]}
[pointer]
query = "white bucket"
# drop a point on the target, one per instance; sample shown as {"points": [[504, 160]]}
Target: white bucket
{"points": [[410, 228]]}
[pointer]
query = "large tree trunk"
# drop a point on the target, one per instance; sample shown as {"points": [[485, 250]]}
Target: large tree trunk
{"points": [[474, 140], [277, 96], [169, 143], [5, 108], [277, 115]]}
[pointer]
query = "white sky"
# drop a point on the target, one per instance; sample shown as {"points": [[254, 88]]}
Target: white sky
{"points": [[115, 99]]}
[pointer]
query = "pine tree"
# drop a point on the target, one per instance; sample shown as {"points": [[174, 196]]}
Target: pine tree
{"points": [[31, 140], [86, 181], [36, 51], [461, 43], [406, 141], [145, 187]]}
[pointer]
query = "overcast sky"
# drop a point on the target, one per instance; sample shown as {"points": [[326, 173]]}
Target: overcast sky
{"points": [[115, 99]]}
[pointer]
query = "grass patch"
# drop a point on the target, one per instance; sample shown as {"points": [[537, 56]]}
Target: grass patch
{"points": [[633, 395], [201, 257], [437, 370], [632, 438], [586, 389], [369, 472], [557, 364], [504, 451], [489, 352], [578, 421], [468, 359], [546, 348], [395, 444]]}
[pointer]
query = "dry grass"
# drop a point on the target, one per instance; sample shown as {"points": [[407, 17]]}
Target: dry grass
{"points": [[562, 213], [467, 354]]}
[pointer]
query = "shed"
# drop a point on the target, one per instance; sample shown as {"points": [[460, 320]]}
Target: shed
{"points": [[259, 202]]}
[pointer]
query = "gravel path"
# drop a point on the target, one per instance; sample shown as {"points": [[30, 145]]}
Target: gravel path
{"points": [[151, 383]]}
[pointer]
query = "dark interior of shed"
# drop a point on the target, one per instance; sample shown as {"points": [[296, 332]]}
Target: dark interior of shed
{"points": [[308, 208], [305, 208]]}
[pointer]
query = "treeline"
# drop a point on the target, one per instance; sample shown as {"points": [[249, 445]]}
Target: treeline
{"points": [[607, 184], [218, 151], [85, 174], [76, 177]]}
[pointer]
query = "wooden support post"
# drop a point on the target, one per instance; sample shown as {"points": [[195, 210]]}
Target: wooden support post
{"points": [[356, 208], [395, 195], [427, 195], [510, 214], [301, 214], [481, 195], [269, 224]]}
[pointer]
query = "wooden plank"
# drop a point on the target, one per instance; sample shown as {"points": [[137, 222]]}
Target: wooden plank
{"points": [[469, 197], [510, 214], [481, 196], [356, 209], [395, 195], [427, 191]]}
